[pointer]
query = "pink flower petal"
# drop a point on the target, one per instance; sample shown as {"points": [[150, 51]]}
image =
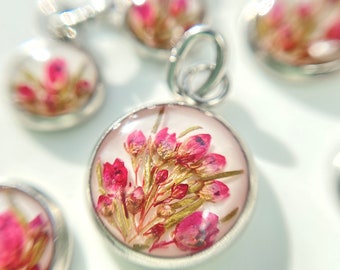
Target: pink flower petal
{"points": [[197, 231], [115, 176]]}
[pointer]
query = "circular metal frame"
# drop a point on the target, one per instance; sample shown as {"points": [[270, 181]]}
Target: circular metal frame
{"points": [[171, 263]]}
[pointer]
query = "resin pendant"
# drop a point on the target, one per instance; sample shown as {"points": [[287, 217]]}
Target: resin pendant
{"points": [[170, 185], [33, 232], [157, 25], [296, 38], [54, 85]]}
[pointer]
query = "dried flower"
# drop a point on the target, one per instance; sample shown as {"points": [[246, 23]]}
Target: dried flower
{"points": [[57, 92], [193, 149], [135, 200], [290, 29], [211, 163], [135, 142], [115, 176], [160, 24], [179, 191], [56, 74], [25, 93], [104, 205], [215, 191], [173, 179], [197, 231], [161, 176], [12, 241], [22, 243], [165, 143], [333, 31]]}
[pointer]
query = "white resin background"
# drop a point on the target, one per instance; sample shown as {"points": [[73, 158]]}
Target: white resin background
{"points": [[292, 129]]}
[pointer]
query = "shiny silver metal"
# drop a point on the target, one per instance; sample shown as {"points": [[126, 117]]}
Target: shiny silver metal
{"points": [[179, 78], [62, 18], [18, 194]]}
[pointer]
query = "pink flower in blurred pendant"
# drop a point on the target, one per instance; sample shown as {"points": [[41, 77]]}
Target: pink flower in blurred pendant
{"points": [[115, 176], [144, 13], [178, 7], [197, 231], [12, 241], [56, 74]]}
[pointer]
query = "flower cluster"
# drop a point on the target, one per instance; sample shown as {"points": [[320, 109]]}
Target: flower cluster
{"points": [[163, 201], [160, 24], [301, 32], [57, 93], [22, 243]]}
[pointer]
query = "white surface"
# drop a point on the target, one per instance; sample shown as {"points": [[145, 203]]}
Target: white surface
{"points": [[292, 130]]}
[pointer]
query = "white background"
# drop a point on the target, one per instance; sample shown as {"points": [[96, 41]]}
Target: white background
{"points": [[292, 130]]}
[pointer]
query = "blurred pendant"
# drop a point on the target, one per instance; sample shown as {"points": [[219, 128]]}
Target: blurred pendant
{"points": [[53, 84], [33, 232], [296, 38], [157, 25]]}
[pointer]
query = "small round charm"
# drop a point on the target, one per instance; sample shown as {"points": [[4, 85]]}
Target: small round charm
{"points": [[53, 84], [33, 233], [296, 38], [170, 185], [158, 24]]}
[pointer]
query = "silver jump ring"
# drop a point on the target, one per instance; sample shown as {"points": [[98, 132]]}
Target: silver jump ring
{"points": [[62, 20], [179, 79]]}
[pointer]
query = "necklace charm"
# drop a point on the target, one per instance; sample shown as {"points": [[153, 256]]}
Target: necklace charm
{"points": [[54, 85], [171, 184], [296, 38], [33, 231]]}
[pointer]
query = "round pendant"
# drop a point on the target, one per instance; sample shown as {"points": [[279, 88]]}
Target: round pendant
{"points": [[33, 232], [53, 84], [296, 38], [158, 25], [170, 185]]}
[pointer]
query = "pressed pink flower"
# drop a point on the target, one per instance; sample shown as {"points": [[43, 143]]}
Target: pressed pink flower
{"points": [[178, 7], [304, 10], [104, 204], [25, 93], [12, 241], [135, 200], [115, 176], [211, 163], [215, 191], [179, 191], [145, 13], [161, 176], [196, 232], [333, 31], [276, 14], [285, 37], [193, 149], [83, 87], [165, 143], [156, 230], [135, 142], [56, 74], [51, 102]]}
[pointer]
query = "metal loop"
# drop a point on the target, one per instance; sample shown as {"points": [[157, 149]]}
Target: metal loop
{"points": [[62, 20], [216, 86]]}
